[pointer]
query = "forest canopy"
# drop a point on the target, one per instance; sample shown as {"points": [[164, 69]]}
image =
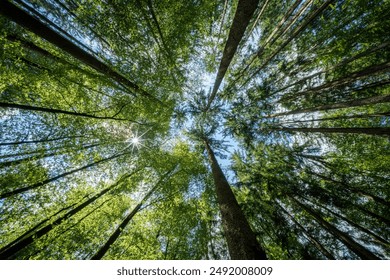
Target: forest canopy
{"points": [[197, 129]]}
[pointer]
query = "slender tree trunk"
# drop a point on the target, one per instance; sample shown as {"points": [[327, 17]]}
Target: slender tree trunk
{"points": [[241, 240], [295, 34], [114, 236], [341, 105], [361, 116], [10, 250], [243, 15], [373, 235], [55, 178], [59, 111], [24, 19], [356, 130], [314, 241], [41, 140], [352, 189], [358, 249], [332, 68], [41, 156], [103, 250], [361, 74]]}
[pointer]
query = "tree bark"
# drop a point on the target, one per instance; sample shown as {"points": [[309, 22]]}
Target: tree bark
{"points": [[357, 130], [351, 244], [361, 116], [296, 33], [314, 241], [41, 156], [241, 240], [10, 250], [24, 19], [59, 111], [114, 236], [341, 105], [55, 178], [243, 15], [351, 77]]}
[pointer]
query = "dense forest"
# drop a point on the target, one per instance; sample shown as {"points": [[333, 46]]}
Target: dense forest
{"points": [[194, 129]]}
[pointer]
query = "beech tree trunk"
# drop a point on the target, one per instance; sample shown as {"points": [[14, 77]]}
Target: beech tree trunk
{"points": [[241, 240]]}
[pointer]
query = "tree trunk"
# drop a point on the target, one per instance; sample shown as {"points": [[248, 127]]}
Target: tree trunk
{"points": [[348, 104], [295, 34], [358, 249], [351, 77], [55, 178], [344, 62], [24, 19], [243, 15], [352, 189], [114, 236], [358, 130], [361, 116], [314, 241], [10, 250], [41, 156], [42, 140], [241, 240], [373, 235], [59, 111]]}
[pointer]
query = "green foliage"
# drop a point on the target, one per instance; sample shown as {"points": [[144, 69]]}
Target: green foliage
{"points": [[70, 132]]}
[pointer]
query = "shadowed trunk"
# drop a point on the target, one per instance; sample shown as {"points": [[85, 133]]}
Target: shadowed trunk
{"points": [[241, 240], [114, 236], [341, 105], [358, 249], [313, 240], [29, 237], [24, 19], [357, 130], [55, 178], [59, 111], [243, 15]]}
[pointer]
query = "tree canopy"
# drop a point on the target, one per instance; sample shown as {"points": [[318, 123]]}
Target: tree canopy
{"points": [[241, 129]]}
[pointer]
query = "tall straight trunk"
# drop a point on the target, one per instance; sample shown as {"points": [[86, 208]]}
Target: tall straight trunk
{"points": [[24, 19], [351, 77], [357, 130], [271, 36], [361, 116], [295, 34], [351, 244], [352, 189], [55, 178], [344, 62], [341, 105], [41, 140], [313, 240], [244, 12], [103, 250], [41, 156], [373, 235], [64, 112], [241, 240], [114, 236], [9, 251]]}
